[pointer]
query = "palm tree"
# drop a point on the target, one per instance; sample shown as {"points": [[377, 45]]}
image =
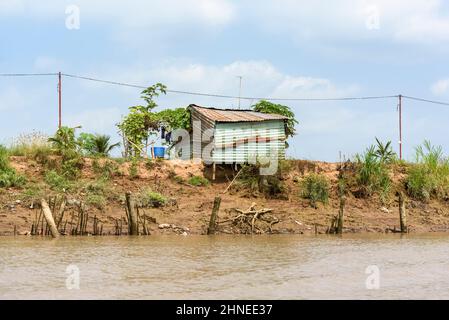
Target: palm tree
{"points": [[102, 146], [384, 152]]}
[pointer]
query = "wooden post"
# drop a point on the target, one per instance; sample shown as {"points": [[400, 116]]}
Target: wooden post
{"points": [[340, 214], [49, 218], [402, 213], [214, 168], [132, 219], [213, 216]]}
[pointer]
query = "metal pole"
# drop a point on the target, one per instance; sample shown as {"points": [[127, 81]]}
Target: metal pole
{"points": [[59, 100], [400, 126], [240, 89]]}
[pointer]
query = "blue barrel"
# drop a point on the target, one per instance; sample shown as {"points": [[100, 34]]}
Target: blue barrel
{"points": [[159, 152]]}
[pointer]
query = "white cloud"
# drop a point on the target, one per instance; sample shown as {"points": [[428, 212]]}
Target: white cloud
{"points": [[94, 120], [417, 21], [440, 87], [133, 13], [260, 79]]}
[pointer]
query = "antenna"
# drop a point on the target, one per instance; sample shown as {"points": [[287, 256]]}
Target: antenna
{"points": [[240, 88]]}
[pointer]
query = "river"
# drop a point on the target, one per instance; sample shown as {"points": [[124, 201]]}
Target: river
{"points": [[226, 267]]}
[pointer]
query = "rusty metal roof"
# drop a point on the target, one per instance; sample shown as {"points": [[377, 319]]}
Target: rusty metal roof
{"points": [[235, 115]]}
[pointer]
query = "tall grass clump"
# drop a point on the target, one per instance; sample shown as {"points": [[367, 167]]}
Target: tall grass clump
{"points": [[8, 176], [429, 176], [315, 187], [372, 176], [34, 145]]}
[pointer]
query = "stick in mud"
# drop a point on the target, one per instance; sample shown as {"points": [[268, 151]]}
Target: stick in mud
{"points": [[402, 213], [133, 227], [49, 218], [213, 217], [341, 214]]}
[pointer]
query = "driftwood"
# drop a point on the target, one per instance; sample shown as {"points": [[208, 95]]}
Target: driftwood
{"points": [[247, 220], [49, 218]]}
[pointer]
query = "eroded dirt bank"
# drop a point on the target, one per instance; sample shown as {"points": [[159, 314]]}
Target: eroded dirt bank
{"points": [[187, 208]]}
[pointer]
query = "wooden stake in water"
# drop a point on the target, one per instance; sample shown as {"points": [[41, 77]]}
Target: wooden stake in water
{"points": [[49, 218], [213, 217], [402, 213], [341, 214], [132, 215]]}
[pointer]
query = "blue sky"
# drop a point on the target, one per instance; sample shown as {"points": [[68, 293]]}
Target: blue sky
{"points": [[281, 48]]}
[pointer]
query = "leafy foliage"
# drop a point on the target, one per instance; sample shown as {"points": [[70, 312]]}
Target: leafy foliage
{"points": [[8, 176], [315, 187], [96, 144], [141, 121], [384, 152], [178, 118], [198, 181], [273, 108]]}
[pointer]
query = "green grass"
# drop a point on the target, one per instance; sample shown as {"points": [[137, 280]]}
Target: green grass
{"points": [[198, 181], [57, 182], [315, 187], [372, 175], [429, 176]]}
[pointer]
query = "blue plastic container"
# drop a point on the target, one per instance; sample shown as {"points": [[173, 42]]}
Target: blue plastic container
{"points": [[159, 152]]}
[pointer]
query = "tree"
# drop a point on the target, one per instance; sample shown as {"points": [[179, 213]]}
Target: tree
{"points": [[273, 108], [141, 121], [96, 144]]}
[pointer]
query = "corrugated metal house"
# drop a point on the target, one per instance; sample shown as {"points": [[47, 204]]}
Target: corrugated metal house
{"points": [[235, 136]]}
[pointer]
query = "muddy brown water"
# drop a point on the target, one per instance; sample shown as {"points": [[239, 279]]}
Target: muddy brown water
{"points": [[226, 267]]}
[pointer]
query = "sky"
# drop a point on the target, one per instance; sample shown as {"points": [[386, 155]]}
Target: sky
{"points": [[284, 49]]}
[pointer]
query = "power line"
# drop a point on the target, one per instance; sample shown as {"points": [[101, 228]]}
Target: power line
{"points": [[427, 100], [26, 74], [230, 96], [124, 84]]}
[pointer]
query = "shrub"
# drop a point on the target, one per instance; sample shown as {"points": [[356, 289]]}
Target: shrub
{"points": [[57, 182], [315, 187], [429, 177], [96, 200], [149, 198], [256, 184], [8, 176], [198, 181], [96, 144]]}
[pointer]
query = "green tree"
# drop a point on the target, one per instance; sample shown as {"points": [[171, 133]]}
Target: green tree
{"points": [[273, 108], [141, 121]]}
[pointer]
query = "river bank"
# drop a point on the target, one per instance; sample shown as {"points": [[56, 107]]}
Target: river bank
{"points": [[181, 205]]}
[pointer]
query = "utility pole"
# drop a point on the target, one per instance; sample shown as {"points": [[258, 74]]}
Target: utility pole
{"points": [[240, 88], [400, 125], [59, 100]]}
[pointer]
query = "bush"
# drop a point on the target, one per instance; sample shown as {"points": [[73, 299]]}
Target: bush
{"points": [[57, 182], [429, 177], [96, 200], [148, 198], [256, 184], [315, 187], [8, 176], [198, 181]]}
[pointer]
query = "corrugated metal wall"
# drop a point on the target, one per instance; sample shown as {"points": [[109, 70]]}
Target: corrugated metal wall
{"points": [[246, 141]]}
